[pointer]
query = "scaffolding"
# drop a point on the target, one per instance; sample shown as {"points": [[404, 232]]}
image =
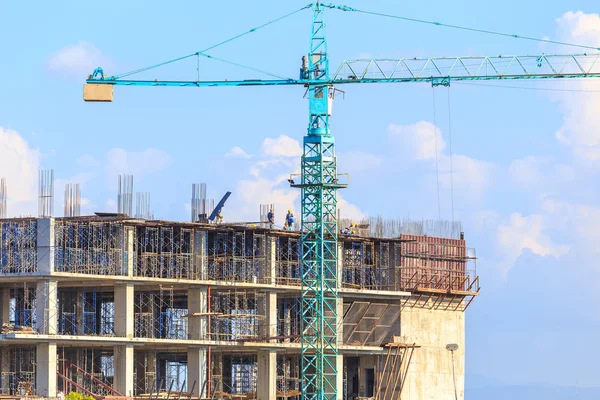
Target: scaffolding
{"points": [[22, 307], [236, 256], [160, 314], [167, 252], [89, 247], [288, 260], [86, 313], [145, 372], [288, 376], [87, 370], [289, 320], [18, 246], [234, 375], [237, 315], [18, 370]]}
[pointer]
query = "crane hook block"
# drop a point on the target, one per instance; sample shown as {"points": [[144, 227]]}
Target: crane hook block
{"points": [[98, 92]]}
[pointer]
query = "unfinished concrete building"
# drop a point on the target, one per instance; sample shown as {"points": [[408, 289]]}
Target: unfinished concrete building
{"points": [[111, 305]]}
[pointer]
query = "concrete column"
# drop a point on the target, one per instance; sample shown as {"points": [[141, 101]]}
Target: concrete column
{"points": [[270, 270], [5, 299], [267, 374], [268, 309], [340, 320], [340, 263], [339, 381], [128, 267], [200, 255], [45, 246], [123, 356], [124, 297], [45, 373], [197, 298], [46, 307], [197, 371]]}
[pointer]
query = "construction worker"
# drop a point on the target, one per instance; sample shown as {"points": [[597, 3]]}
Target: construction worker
{"points": [[353, 228], [271, 218], [219, 217], [345, 231], [289, 221]]}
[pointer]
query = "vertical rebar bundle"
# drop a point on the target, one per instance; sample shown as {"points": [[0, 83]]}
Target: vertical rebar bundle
{"points": [[198, 198], [3, 196], [125, 197], [46, 193], [142, 206], [72, 200], [201, 206]]}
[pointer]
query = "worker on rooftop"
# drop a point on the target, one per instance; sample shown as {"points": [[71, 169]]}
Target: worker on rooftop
{"points": [[219, 218], [289, 221], [271, 218]]}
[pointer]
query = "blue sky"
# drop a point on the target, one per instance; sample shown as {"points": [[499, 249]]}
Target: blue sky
{"points": [[526, 161]]}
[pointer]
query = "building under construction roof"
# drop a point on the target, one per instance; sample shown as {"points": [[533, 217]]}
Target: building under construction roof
{"points": [[117, 306]]}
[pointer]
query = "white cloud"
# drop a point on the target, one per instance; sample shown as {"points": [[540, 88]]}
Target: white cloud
{"points": [[237, 152], [19, 165], [355, 161], [137, 163], [526, 232], [419, 140], [348, 210], [582, 221], [88, 161], [534, 171], [282, 146], [78, 60], [111, 205], [267, 183], [581, 122]]}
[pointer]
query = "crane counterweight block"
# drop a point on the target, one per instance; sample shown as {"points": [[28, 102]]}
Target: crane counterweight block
{"points": [[98, 92]]}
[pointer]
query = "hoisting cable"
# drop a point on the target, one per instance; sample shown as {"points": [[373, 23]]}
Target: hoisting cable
{"points": [[422, 21], [450, 149], [437, 167], [199, 53]]}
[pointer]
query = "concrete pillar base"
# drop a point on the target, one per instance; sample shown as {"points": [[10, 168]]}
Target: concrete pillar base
{"points": [[196, 371], [267, 374], [123, 359], [45, 373]]}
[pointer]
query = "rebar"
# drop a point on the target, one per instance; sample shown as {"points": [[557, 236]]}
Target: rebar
{"points": [[72, 200], [3, 196], [46, 193], [125, 196], [142, 206]]}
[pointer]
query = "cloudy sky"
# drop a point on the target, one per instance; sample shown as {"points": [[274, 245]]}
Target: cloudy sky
{"points": [[522, 160]]}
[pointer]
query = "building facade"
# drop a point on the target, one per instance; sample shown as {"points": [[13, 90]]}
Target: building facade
{"points": [[125, 307]]}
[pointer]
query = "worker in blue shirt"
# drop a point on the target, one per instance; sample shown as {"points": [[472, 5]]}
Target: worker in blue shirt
{"points": [[289, 220], [271, 218]]}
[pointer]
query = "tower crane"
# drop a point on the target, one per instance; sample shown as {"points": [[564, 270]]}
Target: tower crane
{"points": [[319, 179]]}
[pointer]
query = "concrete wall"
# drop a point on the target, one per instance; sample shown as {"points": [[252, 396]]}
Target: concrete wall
{"points": [[430, 372]]}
